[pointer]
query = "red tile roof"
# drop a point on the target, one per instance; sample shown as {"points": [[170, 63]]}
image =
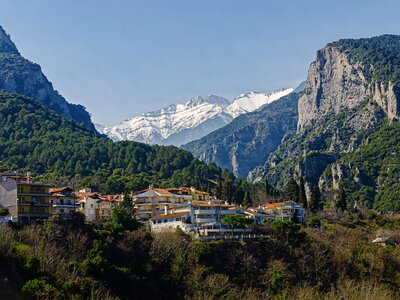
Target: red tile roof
{"points": [[170, 216]]}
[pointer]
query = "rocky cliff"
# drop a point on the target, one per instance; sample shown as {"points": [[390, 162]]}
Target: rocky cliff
{"points": [[351, 94], [21, 76], [340, 79]]}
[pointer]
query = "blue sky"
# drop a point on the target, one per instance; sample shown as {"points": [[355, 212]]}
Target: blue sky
{"points": [[121, 58]]}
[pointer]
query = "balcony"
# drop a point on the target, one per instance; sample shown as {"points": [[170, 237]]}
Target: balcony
{"points": [[33, 203], [204, 212], [205, 220], [227, 212]]}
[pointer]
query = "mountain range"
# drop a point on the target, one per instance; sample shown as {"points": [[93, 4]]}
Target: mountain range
{"points": [[179, 124]]}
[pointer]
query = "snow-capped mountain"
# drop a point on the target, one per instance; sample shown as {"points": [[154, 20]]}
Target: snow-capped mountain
{"points": [[252, 101], [179, 124]]}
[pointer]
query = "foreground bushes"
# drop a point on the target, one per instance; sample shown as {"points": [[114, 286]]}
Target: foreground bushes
{"points": [[332, 261]]}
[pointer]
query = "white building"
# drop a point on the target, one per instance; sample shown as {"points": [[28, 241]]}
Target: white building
{"points": [[196, 216]]}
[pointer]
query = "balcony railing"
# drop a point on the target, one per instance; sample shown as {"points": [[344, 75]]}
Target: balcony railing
{"points": [[33, 203], [204, 211]]}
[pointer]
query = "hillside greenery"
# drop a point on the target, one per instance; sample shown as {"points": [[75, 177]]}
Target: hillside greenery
{"points": [[330, 258], [378, 57], [59, 150]]}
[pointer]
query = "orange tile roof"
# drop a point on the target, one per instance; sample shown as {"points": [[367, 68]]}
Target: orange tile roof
{"points": [[170, 216], [57, 190], [274, 205]]}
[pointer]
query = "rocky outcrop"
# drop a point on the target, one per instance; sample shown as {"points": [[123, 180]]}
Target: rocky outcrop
{"points": [[334, 83], [18, 75]]}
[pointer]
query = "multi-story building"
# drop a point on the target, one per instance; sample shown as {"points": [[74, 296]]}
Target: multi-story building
{"points": [[26, 200], [63, 202], [195, 216], [153, 202], [89, 205], [285, 211], [190, 193], [33, 201], [107, 204]]}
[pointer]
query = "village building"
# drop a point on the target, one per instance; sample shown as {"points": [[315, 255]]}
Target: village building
{"points": [[63, 202], [26, 200]]}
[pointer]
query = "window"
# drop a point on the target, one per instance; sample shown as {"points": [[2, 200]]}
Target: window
{"points": [[61, 210], [91, 205]]}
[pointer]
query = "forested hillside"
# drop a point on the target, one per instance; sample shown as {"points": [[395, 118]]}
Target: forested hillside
{"points": [[33, 138]]}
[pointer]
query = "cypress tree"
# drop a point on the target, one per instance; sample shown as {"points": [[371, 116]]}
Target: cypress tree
{"points": [[315, 199], [292, 190], [302, 193]]}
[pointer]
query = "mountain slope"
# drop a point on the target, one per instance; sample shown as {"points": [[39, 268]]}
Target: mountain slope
{"points": [[351, 98], [178, 124], [247, 142], [33, 138], [21, 76]]}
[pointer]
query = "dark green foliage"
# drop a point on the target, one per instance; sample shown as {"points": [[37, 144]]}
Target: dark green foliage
{"points": [[302, 193], [237, 220], [379, 57], [247, 199], [4, 212], [32, 138], [377, 164], [292, 191], [315, 199]]}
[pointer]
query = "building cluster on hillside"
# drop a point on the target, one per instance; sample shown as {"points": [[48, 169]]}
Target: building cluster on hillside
{"points": [[186, 208]]}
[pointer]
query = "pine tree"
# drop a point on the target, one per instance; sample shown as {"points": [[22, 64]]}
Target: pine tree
{"points": [[302, 194]]}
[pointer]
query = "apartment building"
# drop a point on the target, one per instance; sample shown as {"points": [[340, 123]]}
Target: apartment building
{"points": [[26, 200], [63, 202], [285, 211], [195, 216], [153, 202]]}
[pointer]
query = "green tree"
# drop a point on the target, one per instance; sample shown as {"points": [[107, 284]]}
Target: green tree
{"points": [[302, 193], [247, 199], [292, 190], [315, 199]]}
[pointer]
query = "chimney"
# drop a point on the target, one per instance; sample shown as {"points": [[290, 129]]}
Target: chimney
{"points": [[165, 210], [28, 177]]}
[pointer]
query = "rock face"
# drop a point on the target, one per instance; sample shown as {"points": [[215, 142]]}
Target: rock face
{"points": [[334, 83], [247, 142], [18, 75]]}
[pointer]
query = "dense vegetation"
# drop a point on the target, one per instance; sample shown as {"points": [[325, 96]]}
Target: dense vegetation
{"points": [[328, 259], [376, 164], [379, 57], [367, 155], [33, 138]]}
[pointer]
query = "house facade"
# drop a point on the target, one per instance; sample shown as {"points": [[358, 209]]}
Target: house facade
{"points": [[63, 202], [26, 200]]}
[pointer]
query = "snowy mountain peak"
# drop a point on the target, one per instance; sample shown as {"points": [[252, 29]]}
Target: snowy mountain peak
{"points": [[251, 101], [178, 124], [210, 99]]}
